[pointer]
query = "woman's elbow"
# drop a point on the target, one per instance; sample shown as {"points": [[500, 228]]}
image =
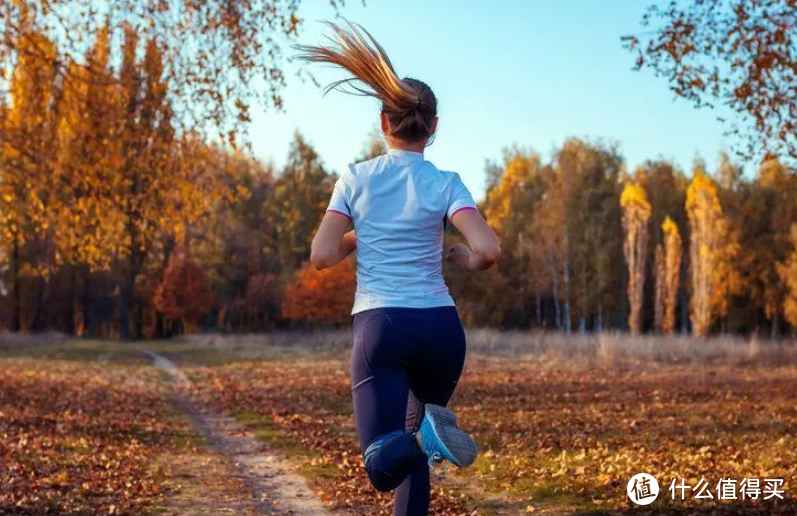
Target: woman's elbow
{"points": [[490, 252], [320, 259]]}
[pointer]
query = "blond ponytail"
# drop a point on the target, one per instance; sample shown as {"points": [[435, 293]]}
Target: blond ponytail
{"points": [[409, 104]]}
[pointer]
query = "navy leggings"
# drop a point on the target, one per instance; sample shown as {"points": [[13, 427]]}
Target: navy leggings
{"points": [[401, 359]]}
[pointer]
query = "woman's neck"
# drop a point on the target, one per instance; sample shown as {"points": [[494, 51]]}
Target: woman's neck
{"points": [[412, 147]]}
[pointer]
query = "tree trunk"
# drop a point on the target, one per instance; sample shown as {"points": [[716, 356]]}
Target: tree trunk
{"points": [[129, 317], [522, 280], [125, 308], [684, 313], [87, 329], [582, 320], [599, 319], [73, 301], [567, 324], [16, 317], [160, 324], [39, 321], [138, 319], [555, 290]]}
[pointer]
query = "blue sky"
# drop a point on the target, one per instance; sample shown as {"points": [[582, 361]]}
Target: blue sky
{"points": [[521, 72]]}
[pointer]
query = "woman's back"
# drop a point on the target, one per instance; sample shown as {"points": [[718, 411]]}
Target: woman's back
{"points": [[409, 344], [398, 203]]}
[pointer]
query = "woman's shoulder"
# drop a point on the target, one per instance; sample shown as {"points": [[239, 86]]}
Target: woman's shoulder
{"points": [[368, 166], [381, 166]]}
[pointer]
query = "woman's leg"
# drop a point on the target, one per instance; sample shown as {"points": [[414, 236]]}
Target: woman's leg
{"points": [[380, 384], [433, 380], [412, 496]]}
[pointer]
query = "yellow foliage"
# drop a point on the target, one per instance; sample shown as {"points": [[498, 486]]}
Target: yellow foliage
{"points": [[500, 208], [671, 271], [636, 214], [712, 253], [788, 274], [634, 198]]}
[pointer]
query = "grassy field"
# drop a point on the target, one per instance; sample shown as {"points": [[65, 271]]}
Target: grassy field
{"points": [[562, 422]]}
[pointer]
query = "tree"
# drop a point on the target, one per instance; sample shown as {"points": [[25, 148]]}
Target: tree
{"points": [[235, 243], [594, 226], [262, 305], [548, 243], [221, 56], [183, 296], [666, 187], [671, 274], [86, 228], [28, 154], [658, 301], [735, 53], [707, 251], [507, 209], [165, 183], [301, 194], [787, 270], [324, 296], [375, 146], [636, 214], [771, 211]]}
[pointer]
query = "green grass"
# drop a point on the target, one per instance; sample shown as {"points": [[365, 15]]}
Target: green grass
{"points": [[99, 351]]}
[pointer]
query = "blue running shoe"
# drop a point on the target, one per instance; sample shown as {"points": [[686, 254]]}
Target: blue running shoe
{"points": [[441, 439]]}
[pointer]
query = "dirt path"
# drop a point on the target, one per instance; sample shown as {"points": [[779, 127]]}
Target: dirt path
{"points": [[268, 484]]}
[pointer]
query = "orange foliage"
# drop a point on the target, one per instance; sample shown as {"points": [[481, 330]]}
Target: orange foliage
{"points": [[184, 294], [321, 296]]}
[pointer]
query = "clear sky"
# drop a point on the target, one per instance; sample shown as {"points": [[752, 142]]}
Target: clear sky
{"points": [[523, 72]]}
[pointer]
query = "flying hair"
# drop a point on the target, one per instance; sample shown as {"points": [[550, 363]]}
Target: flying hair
{"points": [[410, 104]]}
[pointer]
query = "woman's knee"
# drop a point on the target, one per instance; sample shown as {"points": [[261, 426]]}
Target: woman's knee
{"points": [[378, 474], [381, 481]]}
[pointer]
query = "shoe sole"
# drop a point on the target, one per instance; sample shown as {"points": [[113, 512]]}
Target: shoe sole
{"points": [[460, 445]]}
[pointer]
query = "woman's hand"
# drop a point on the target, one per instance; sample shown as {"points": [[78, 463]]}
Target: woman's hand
{"points": [[460, 255], [483, 248]]}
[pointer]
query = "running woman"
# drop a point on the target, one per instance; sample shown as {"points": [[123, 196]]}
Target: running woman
{"points": [[409, 345]]}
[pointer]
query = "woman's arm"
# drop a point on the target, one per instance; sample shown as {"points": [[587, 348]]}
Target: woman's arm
{"points": [[483, 248], [332, 243]]}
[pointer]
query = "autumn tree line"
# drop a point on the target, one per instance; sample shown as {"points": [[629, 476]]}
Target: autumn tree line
{"points": [[118, 220], [591, 245]]}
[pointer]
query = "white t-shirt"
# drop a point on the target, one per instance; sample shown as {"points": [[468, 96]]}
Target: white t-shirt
{"points": [[398, 203]]}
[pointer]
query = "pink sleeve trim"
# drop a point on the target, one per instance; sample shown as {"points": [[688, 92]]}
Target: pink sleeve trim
{"points": [[461, 209], [340, 212]]}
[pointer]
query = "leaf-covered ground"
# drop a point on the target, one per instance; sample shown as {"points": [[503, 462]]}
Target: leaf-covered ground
{"points": [[89, 429], [79, 438], [557, 436]]}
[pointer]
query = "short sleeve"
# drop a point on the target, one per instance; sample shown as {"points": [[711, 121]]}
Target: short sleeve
{"points": [[460, 198], [339, 202]]}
